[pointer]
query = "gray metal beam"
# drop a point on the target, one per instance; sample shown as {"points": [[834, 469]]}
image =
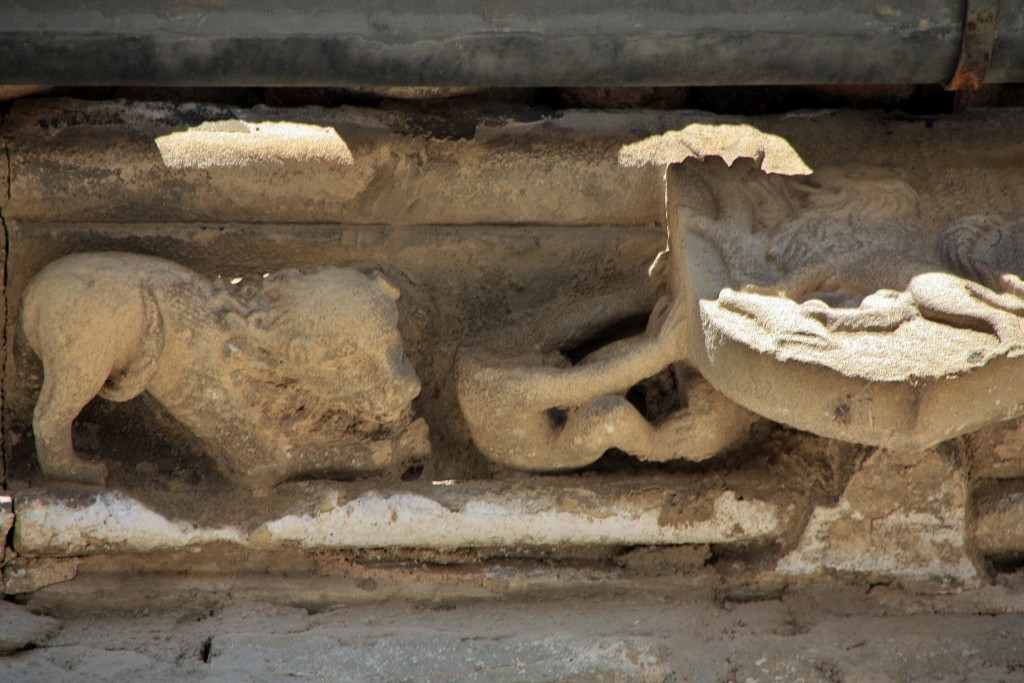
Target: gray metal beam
{"points": [[493, 43]]}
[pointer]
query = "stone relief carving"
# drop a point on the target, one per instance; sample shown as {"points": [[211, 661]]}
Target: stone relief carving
{"points": [[554, 418], [538, 411], [867, 302], [821, 302], [818, 302], [300, 374], [825, 303]]}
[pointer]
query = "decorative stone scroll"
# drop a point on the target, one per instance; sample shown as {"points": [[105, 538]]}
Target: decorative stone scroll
{"points": [[299, 374]]}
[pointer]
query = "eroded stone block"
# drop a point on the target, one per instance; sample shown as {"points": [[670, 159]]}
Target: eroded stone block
{"points": [[902, 514], [441, 516], [827, 304], [999, 521]]}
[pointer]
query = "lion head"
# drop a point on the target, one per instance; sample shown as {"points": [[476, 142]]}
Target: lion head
{"points": [[321, 352]]}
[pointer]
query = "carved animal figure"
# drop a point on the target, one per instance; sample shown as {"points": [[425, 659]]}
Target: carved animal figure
{"points": [[301, 374], [976, 293], [789, 297], [836, 311], [548, 415], [848, 249]]}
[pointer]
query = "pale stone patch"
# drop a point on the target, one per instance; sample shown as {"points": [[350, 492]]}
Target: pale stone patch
{"points": [[773, 153], [111, 521], [902, 515], [241, 143], [6, 515], [107, 521], [389, 520]]}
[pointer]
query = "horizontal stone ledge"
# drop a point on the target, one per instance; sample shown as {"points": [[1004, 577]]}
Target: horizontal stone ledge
{"points": [[69, 522], [119, 161], [135, 161]]}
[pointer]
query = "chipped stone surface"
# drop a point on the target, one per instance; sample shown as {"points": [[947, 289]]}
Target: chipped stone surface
{"points": [[820, 633], [902, 514], [402, 519], [19, 628], [25, 575], [430, 656], [52, 524]]}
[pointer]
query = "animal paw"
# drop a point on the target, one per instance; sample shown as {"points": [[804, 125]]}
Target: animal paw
{"points": [[1012, 284], [817, 309]]}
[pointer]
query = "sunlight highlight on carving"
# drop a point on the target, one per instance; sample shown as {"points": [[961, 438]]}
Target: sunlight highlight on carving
{"points": [[773, 153], [241, 143]]}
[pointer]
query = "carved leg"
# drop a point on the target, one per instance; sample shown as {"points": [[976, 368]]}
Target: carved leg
{"points": [[880, 312], [1013, 285], [609, 422], [64, 393], [709, 425], [798, 284]]}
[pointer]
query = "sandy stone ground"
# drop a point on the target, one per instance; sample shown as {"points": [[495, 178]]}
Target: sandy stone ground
{"points": [[653, 631]]}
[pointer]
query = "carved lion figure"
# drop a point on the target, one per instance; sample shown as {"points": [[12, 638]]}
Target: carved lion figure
{"points": [[300, 374]]}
